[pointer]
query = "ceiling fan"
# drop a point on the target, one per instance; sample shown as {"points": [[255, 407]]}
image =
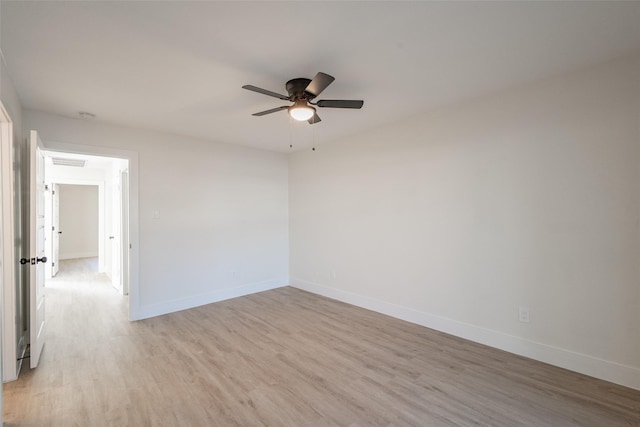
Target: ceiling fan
{"points": [[302, 92]]}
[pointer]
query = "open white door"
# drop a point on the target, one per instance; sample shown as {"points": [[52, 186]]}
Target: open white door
{"points": [[124, 234], [116, 232], [37, 249], [55, 229]]}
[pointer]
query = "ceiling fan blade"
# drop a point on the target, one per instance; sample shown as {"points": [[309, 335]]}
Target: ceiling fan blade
{"points": [[265, 92], [340, 103], [314, 119], [273, 110], [319, 83]]}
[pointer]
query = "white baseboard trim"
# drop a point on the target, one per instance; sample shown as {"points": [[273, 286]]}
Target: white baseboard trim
{"points": [[74, 255], [609, 371], [153, 310]]}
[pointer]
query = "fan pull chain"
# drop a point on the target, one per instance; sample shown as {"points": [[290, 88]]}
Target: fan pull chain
{"points": [[313, 138], [290, 132]]}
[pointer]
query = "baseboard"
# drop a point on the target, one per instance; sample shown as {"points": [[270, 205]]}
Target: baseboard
{"points": [[146, 311], [609, 371], [74, 255]]}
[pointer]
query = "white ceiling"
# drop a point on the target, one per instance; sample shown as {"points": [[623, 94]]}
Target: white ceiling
{"points": [[179, 66]]}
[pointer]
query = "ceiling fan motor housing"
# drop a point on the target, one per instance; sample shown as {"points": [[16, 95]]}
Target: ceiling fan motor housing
{"points": [[296, 87]]}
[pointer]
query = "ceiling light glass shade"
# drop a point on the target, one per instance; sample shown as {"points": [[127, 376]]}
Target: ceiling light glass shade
{"points": [[301, 111]]}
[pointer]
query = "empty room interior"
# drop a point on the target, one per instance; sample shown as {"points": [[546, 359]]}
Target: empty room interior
{"points": [[320, 213]]}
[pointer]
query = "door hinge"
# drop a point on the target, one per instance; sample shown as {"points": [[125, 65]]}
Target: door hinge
{"points": [[46, 187]]}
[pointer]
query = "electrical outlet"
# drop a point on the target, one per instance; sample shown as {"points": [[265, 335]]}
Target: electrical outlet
{"points": [[523, 314]]}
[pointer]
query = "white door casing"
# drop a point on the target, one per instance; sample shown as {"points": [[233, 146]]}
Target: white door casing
{"points": [[10, 363], [36, 249]]}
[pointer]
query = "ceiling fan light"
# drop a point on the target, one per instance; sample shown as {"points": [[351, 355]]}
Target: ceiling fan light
{"points": [[301, 112]]}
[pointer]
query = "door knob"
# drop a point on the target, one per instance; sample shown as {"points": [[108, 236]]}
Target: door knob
{"points": [[33, 261]]}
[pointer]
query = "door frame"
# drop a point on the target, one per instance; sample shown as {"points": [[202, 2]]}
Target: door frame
{"points": [[7, 251], [101, 214], [132, 157]]}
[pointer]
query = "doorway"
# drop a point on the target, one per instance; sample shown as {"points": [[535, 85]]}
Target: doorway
{"points": [[74, 211], [126, 178], [130, 205], [86, 214]]}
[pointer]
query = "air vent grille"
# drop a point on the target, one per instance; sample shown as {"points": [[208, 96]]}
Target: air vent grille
{"points": [[60, 161]]}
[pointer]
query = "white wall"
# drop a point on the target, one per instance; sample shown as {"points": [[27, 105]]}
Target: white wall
{"points": [[78, 221], [456, 218], [213, 218]]}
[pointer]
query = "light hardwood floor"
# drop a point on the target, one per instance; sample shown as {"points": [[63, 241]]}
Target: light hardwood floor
{"points": [[284, 358]]}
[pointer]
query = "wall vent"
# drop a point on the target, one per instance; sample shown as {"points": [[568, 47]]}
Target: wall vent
{"points": [[60, 161]]}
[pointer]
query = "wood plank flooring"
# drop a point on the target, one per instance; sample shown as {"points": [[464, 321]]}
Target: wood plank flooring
{"points": [[284, 358]]}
